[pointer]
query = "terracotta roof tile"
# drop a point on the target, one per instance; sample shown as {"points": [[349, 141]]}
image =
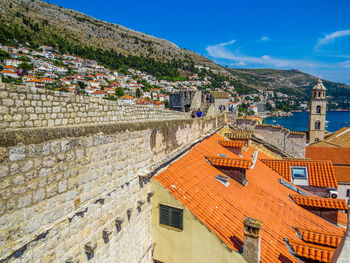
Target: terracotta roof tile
{"points": [[342, 173], [338, 155], [321, 173], [229, 162], [229, 143], [310, 251], [320, 237], [222, 209], [339, 204]]}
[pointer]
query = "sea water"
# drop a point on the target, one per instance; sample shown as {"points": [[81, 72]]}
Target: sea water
{"points": [[299, 121]]}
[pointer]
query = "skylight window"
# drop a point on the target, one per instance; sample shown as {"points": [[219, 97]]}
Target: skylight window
{"points": [[300, 175], [293, 187], [222, 155], [299, 172], [222, 179]]}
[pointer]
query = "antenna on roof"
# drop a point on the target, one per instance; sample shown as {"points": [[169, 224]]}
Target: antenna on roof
{"points": [[255, 157]]}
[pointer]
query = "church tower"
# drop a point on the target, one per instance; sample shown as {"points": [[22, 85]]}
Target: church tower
{"points": [[317, 119]]}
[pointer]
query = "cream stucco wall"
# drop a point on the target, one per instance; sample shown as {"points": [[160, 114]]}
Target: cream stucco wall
{"points": [[195, 243]]}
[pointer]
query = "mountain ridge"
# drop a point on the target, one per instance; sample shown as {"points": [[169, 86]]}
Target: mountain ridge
{"points": [[40, 22]]}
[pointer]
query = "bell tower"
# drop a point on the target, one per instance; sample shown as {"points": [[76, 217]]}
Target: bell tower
{"points": [[317, 119]]}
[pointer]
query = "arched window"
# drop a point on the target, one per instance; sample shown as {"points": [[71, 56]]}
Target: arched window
{"points": [[317, 125], [318, 109], [319, 94]]}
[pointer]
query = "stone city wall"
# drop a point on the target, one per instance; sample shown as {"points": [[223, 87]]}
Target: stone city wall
{"points": [[289, 142], [81, 193], [26, 107]]}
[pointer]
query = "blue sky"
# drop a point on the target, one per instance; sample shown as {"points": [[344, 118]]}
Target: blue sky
{"points": [[312, 36]]}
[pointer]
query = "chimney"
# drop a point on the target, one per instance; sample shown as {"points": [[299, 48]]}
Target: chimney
{"points": [[252, 240]]}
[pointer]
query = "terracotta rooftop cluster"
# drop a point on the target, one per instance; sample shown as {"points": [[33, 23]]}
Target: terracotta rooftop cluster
{"points": [[192, 180]]}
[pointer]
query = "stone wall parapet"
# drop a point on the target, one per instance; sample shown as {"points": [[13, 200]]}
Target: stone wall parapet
{"points": [[28, 107]]}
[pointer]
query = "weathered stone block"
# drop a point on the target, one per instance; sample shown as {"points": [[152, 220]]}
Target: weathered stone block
{"points": [[8, 102], [24, 200], [17, 154]]}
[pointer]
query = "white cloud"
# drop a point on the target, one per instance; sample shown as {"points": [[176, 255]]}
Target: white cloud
{"points": [[226, 43], [264, 39], [345, 64], [327, 39], [220, 51]]}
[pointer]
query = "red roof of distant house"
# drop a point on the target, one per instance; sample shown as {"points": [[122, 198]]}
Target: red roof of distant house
{"points": [[99, 92], [126, 97], [320, 173], [9, 66], [35, 80], [8, 71]]}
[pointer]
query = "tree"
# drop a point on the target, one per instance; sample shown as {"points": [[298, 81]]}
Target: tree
{"points": [[4, 54], [24, 59], [26, 67], [81, 86], [119, 92], [138, 93]]}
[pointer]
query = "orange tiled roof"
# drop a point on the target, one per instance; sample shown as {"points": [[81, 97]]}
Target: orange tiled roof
{"points": [[229, 162], [126, 97], [320, 173], [342, 218], [237, 144], [342, 173], [330, 203], [222, 209], [8, 71], [320, 237], [338, 155], [310, 251]]}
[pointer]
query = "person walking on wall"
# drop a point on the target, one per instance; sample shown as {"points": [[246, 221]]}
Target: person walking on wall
{"points": [[193, 114], [199, 113]]}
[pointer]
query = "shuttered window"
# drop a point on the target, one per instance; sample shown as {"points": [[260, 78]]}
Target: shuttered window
{"points": [[170, 216]]}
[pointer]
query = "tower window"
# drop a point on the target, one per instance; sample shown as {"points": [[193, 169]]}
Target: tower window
{"points": [[317, 125], [319, 94], [318, 109]]}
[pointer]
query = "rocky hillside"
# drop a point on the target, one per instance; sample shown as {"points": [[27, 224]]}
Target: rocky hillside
{"points": [[49, 22], [36, 22], [291, 82]]}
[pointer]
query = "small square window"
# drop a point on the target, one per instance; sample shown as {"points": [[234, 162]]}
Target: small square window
{"points": [[347, 192], [299, 172], [170, 216]]}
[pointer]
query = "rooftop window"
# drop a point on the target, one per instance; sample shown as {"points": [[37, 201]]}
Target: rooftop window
{"points": [[299, 172], [300, 175], [222, 179]]}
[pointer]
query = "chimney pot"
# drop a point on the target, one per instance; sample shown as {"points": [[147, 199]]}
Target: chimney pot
{"points": [[252, 240]]}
